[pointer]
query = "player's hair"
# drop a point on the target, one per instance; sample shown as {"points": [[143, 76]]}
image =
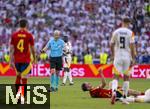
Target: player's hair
{"points": [[23, 23], [126, 20], [83, 87]]}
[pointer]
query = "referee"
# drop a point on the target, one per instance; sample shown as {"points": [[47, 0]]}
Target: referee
{"points": [[55, 46]]}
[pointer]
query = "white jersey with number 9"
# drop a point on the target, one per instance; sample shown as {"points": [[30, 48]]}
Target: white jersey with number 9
{"points": [[122, 38]]}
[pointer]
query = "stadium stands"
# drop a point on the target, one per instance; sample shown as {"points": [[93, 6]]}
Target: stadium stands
{"points": [[89, 23]]}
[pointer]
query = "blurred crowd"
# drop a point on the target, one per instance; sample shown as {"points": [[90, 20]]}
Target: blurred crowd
{"points": [[88, 23]]}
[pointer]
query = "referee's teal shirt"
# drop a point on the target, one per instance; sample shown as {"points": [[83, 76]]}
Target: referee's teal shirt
{"points": [[55, 47]]}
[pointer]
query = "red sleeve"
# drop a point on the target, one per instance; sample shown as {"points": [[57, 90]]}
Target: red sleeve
{"points": [[95, 92], [31, 40]]}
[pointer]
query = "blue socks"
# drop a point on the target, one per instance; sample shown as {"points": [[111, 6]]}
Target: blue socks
{"points": [[54, 81], [57, 81]]}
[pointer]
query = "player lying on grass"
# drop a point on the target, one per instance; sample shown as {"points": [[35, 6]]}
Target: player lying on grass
{"points": [[140, 98], [102, 92]]}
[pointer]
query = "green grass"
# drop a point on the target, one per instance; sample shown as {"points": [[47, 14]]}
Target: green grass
{"points": [[71, 97]]}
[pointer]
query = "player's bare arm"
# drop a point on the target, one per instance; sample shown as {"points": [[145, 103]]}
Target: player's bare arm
{"points": [[112, 50], [112, 45], [133, 52], [132, 92], [103, 81], [44, 49]]}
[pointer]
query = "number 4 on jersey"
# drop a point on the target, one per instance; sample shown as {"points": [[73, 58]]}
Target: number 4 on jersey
{"points": [[20, 45]]}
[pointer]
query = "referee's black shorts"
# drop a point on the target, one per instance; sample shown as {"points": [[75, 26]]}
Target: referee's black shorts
{"points": [[56, 63]]}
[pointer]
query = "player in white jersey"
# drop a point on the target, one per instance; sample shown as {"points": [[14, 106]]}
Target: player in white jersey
{"points": [[67, 61], [123, 54], [143, 98], [138, 99]]}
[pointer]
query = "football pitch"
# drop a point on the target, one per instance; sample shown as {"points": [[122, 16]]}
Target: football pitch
{"points": [[71, 97]]}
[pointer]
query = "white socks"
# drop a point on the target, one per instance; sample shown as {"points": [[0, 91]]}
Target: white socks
{"points": [[69, 75], [114, 85], [65, 77], [125, 88]]}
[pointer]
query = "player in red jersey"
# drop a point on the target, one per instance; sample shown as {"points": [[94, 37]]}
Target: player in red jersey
{"points": [[21, 45], [102, 92]]}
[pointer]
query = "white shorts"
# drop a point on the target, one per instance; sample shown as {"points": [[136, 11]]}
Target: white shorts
{"points": [[147, 95], [121, 65], [67, 61], [143, 98]]}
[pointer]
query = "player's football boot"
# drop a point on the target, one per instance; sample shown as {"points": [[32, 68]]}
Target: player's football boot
{"points": [[56, 89], [124, 101], [51, 89], [63, 84], [113, 98], [71, 83]]}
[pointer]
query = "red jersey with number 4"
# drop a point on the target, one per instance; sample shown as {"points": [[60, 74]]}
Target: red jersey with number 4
{"points": [[100, 93], [22, 40]]}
